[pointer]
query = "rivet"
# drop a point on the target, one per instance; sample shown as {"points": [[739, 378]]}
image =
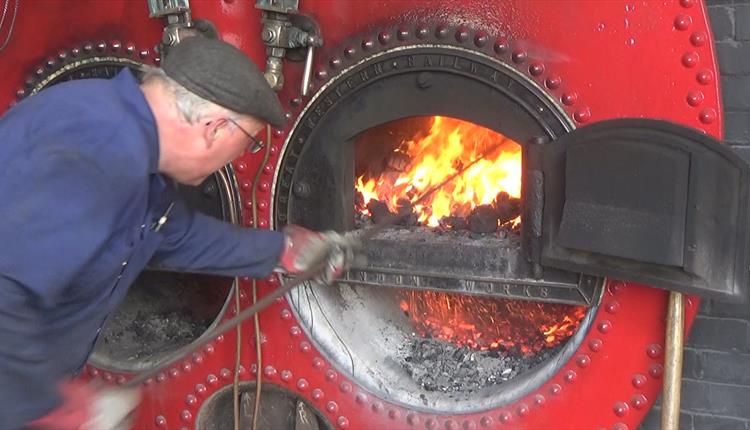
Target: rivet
{"points": [[519, 56], [422, 32], [212, 379], [505, 417], [462, 35], [639, 401], [286, 375], [108, 376], [321, 74], [241, 166], [274, 149], [161, 377], [160, 421], [569, 99], [120, 380], [209, 349], [698, 38], [29, 83], [186, 416], [621, 409], [368, 44], [157, 61], [173, 373], [148, 381], [539, 400], [269, 371], [75, 51], [331, 375], [286, 314], [583, 361], [335, 62], [264, 186], [295, 101], [254, 368], [707, 116], [570, 376], [522, 410], [682, 22], [332, 407], [225, 373], [115, 45], [485, 421], [343, 422], [101, 46], [317, 394], [249, 223], [305, 346], [349, 51], [553, 82], [246, 185], [393, 414], [431, 424], [200, 389], [705, 77], [656, 371], [555, 389], [264, 224], [295, 331], [89, 47], [613, 306], [243, 370], [39, 71], [451, 425], [470, 425], [604, 326], [93, 372], [595, 345], [62, 55], [143, 54], [501, 46], [412, 419], [345, 387], [402, 33], [384, 37], [536, 69], [377, 407], [687, 3], [318, 362], [361, 398], [690, 59], [481, 39], [191, 400], [441, 31], [695, 98], [277, 132], [302, 384], [654, 350], [582, 115], [619, 426], [130, 48]]}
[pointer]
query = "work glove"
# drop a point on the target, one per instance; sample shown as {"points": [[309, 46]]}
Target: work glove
{"points": [[86, 407], [305, 250]]}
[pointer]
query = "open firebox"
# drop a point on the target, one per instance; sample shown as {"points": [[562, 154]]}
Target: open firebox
{"points": [[485, 287]]}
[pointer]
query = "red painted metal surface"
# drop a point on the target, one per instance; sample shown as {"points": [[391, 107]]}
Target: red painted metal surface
{"points": [[604, 60]]}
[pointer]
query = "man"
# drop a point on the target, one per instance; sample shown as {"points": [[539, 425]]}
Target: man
{"points": [[87, 204]]}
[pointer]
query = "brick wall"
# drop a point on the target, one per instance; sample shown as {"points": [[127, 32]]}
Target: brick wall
{"points": [[716, 372]]}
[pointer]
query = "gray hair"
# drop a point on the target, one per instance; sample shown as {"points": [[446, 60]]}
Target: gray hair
{"points": [[189, 105]]}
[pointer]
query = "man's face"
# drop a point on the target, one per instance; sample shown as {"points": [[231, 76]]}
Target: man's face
{"points": [[224, 139]]}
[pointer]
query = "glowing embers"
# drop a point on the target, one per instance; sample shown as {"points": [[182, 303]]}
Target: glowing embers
{"points": [[463, 343], [399, 162]]}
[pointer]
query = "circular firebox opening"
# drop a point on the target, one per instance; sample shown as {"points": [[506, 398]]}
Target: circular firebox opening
{"points": [[163, 311], [416, 329]]}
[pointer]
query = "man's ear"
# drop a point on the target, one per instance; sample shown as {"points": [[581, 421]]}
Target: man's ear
{"points": [[212, 129]]}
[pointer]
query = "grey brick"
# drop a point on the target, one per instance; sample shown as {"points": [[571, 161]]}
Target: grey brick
{"points": [[737, 127], [718, 366], [734, 57], [653, 420], [722, 21], [742, 22], [720, 2], [713, 422], [723, 334], [735, 91], [715, 399], [691, 364], [723, 309]]}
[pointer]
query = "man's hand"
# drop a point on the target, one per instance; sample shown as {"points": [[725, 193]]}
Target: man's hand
{"points": [[85, 407], [305, 250]]}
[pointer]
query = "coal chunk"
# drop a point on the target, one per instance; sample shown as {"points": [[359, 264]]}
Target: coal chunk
{"points": [[379, 211], [506, 207], [483, 219]]}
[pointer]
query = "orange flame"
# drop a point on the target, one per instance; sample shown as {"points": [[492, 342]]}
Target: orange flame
{"points": [[449, 145], [486, 323]]}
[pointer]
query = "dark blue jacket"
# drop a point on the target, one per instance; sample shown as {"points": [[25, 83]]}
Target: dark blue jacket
{"points": [[79, 198]]}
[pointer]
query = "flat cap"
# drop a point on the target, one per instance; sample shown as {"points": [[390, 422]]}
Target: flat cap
{"points": [[219, 72]]}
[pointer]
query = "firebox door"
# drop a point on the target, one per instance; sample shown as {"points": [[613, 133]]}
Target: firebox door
{"points": [[648, 201]]}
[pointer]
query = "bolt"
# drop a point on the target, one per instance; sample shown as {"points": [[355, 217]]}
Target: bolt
{"points": [[267, 35], [301, 189], [210, 190], [424, 80]]}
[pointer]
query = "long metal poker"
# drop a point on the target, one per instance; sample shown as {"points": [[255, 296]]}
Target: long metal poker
{"points": [[289, 285]]}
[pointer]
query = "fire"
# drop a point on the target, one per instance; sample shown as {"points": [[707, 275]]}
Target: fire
{"points": [[491, 324], [428, 161]]}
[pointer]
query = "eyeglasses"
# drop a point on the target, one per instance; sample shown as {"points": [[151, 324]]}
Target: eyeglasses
{"points": [[257, 144]]}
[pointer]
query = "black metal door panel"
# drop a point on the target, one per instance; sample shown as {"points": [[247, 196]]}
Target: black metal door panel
{"points": [[648, 201]]}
